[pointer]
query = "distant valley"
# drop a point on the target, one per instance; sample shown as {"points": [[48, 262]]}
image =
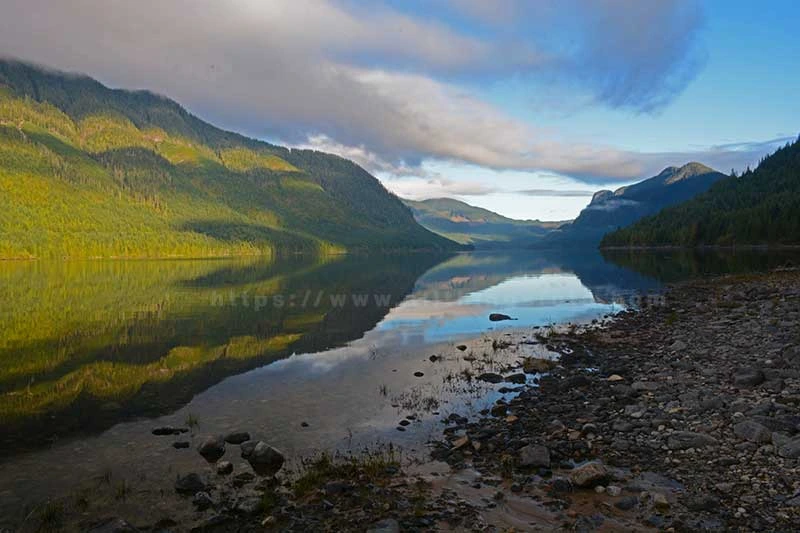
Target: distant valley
{"points": [[481, 228], [607, 212]]}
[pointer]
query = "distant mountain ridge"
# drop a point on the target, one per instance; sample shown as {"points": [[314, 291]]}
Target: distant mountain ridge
{"points": [[611, 210], [89, 171], [761, 207], [481, 228]]}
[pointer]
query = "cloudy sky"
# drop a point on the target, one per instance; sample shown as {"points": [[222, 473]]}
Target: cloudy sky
{"points": [[521, 106]]}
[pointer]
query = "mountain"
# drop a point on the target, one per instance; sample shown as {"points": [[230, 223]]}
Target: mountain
{"points": [[760, 207], [88, 171], [467, 224], [609, 211]]}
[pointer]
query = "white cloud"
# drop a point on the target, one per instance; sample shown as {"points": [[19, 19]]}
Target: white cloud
{"points": [[375, 84]]}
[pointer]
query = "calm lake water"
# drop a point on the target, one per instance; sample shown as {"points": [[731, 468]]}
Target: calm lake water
{"points": [[94, 355]]}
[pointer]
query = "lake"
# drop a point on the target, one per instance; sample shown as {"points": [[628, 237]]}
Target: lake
{"points": [[305, 354]]}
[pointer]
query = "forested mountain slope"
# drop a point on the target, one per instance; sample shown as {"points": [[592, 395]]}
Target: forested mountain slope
{"points": [[88, 171], [467, 224], [760, 207], [609, 211]]}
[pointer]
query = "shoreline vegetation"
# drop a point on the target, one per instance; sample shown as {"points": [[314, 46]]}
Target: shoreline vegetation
{"points": [[682, 415]]}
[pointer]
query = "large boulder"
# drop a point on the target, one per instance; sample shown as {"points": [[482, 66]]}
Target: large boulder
{"points": [[247, 448], [265, 460]]}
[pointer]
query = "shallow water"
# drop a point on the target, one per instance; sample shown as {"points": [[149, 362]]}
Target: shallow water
{"points": [[96, 354]]}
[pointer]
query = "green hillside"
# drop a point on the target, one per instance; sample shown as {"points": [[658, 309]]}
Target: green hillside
{"points": [[87, 171], [467, 224], [759, 207]]}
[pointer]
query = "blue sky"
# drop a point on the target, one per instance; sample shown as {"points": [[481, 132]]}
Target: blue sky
{"points": [[522, 106]]}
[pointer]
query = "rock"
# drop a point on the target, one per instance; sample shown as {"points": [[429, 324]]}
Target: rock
{"points": [[224, 468], [779, 439], [462, 347], [683, 440], [337, 487], [499, 410], [419, 374], [113, 525], [613, 490], [390, 525], [190, 484], [753, 431], [703, 502], [498, 317], [534, 456], [303, 424], [247, 448], [791, 449], [202, 500], [242, 478], [614, 378], [644, 386], [490, 377], [516, 378], [748, 377], [588, 475], [250, 506], [678, 346], [212, 448], [534, 365], [627, 503], [265, 459], [181, 444], [237, 437], [560, 485], [460, 442], [660, 501]]}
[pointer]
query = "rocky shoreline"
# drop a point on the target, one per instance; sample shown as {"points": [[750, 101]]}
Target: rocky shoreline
{"points": [[682, 416]]}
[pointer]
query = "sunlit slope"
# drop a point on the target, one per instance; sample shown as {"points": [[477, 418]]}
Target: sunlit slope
{"points": [[86, 171]]}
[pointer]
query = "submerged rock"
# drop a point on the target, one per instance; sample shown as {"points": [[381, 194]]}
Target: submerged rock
{"points": [[498, 317], [168, 430]]}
